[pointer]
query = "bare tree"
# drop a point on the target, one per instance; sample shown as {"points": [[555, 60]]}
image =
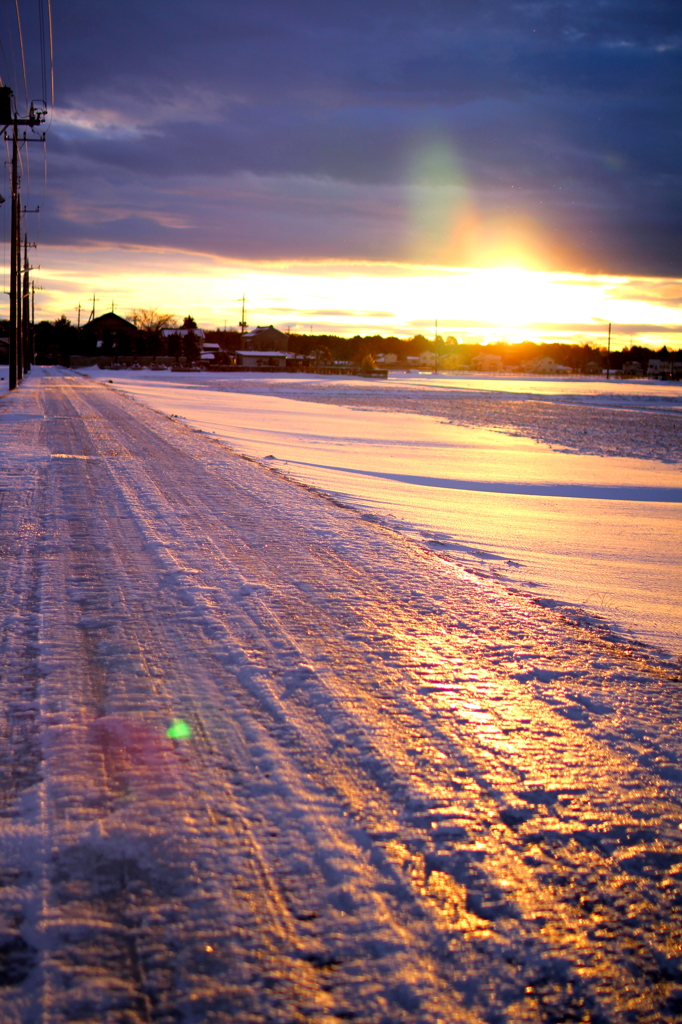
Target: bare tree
{"points": [[151, 321]]}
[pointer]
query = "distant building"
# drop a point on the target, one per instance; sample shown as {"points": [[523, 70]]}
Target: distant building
{"points": [[108, 334], [265, 339], [427, 359], [110, 326], [664, 369], [209, 351], [546, 365], [255, 359], [487, 362]]}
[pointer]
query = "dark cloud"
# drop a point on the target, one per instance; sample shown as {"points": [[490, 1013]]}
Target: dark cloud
{"points": [[280, 128]]}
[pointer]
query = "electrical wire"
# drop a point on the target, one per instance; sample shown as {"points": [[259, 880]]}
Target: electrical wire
{"points": [[10, 50], [5, 62], [49, 102], [50, 37], [21, 47], [43, 69], [12, 63]]}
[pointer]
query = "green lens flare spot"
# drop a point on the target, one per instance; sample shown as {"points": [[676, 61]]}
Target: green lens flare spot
{"points": [[178, 730]]}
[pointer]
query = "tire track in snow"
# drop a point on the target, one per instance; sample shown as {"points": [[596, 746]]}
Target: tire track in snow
{"points": [[200, 924], [324, 839], [512, 811], [353, 761]]}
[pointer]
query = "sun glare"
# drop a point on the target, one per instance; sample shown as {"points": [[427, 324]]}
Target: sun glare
{"points": [[506, 302]]}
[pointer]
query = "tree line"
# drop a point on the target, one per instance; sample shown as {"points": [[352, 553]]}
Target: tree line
{"points": [[56, 341]]}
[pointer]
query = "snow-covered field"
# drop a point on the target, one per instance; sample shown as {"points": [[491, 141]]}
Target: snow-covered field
{"points": [[264, 761], [554, 498]]}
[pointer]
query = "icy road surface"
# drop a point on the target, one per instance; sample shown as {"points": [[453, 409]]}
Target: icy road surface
{"points": [[597, 529], [409, 795]]}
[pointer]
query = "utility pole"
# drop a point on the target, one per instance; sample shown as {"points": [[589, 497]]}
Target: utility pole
{"points": [[242, 323], [435, 345], [26, 313], [14, 263], [17, 303], [608, 357], [79, 316]]}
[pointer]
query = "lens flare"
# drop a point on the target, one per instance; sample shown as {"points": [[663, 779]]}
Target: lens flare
{"points": [[178, 730]]}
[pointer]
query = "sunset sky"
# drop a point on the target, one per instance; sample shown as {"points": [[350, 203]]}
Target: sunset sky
{"points": [[510, 169]]}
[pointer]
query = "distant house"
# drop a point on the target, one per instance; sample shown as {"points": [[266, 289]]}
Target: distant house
{"points": [[427, 359], [387, 358], [487, 362], [265, 339], [108, 335], [110, 326], [664, 369], [255, 359], [209, 351], [546, 365]]}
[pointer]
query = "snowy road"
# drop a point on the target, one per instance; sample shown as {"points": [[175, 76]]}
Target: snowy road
{"points": [[409, 795]]}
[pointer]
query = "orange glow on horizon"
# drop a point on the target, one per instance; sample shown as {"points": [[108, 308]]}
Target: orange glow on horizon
{"points": [[509, 300]]}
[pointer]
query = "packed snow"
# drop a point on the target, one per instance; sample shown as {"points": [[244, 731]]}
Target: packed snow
{"points": [[265, 761], [587, 524]]}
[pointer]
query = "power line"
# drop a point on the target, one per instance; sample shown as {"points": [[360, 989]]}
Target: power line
{"points": [[49, 32], [43, 68], [21, 47], [12, 63]]}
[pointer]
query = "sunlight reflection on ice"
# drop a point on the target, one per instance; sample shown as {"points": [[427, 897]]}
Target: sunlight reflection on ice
{"points": [[619, 558]]}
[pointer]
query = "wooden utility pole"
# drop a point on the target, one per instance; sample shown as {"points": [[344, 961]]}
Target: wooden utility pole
{"points": [[14, 265], [435, 345], [242, 323], [608, 356], [26, 313], [18, 306]]}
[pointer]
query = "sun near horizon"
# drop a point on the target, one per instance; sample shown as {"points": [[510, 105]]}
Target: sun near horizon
{"points": [[509, 302]]}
